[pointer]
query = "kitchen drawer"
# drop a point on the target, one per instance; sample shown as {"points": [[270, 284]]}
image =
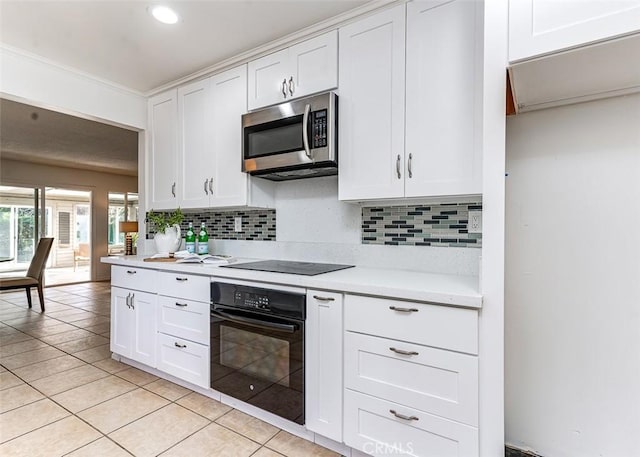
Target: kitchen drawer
{"points": [[371, 427], [134, 278], [184, 359], [432, 325], [186, 319], [187, 287], [440, 382]]}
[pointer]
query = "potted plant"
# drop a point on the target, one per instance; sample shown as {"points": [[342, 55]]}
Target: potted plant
{"points": [[167, 227]]}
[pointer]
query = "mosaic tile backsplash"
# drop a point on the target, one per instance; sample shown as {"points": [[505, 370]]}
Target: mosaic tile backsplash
{"points": [[257, 225], [420, 225]]}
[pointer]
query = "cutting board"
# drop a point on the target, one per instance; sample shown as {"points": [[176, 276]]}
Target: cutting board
{"points": [[160, 259]]}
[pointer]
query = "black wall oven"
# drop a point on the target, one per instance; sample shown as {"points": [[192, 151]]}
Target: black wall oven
{"points": [[257, 346]]}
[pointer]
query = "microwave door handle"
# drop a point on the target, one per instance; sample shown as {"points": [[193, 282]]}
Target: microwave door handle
{"points": [[288, 328], [305, 130]]}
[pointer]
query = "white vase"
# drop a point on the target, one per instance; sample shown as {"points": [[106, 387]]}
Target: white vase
{"points": [[169, 241]]}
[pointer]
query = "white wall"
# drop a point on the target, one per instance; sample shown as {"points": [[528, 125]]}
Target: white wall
{"points": [[572, 311], [30, 79]]}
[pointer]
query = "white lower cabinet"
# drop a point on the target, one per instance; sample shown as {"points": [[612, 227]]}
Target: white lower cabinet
{"points": [[187, 318], [323, 354], [409, 388], [379, 427], [184, 359], [133, 325]]}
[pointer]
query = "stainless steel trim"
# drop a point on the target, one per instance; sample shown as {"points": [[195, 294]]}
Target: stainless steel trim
{"points": [[318, 297], [178, 345], [409, 166], [402, 416], [305, 130], [403, 352], [211, 186], [182, 305], [403, 310], [186, 279], [205, 186], [398, 167], [291, 85], [284, 87]]}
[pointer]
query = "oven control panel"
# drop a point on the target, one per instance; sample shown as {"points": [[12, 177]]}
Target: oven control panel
{"points": [[251, 300]]}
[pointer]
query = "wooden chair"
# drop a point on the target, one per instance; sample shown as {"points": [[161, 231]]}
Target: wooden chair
{"points": [[34, 274]]}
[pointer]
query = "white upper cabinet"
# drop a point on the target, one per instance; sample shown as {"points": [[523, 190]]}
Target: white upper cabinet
{"points": [[426, 146], [229, 103], [195, 166], [371, 121], [302, 69], [442, 154], [538, 27], [163, 126]]}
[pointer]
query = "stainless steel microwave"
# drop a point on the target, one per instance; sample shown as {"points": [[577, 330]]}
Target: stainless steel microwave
{"points": [[293, 140]]}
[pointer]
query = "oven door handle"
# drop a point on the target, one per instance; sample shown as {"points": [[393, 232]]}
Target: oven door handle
{"points": [[288, 328]]}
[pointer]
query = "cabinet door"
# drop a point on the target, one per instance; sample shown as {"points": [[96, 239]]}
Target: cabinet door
{"points": [[542, 26], [229, 103], [442, 154], [163, 123], [121, 322], [186, 319], [184, 359], [267, 79], [144, 327], [195, 163], [323, 351], [371, 121], [314, 65]]}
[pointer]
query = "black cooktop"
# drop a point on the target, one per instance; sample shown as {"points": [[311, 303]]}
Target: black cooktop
{"points": [[285, 266]]}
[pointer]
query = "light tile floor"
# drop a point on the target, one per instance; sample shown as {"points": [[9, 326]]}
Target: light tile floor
{"points": [[62, 394]]}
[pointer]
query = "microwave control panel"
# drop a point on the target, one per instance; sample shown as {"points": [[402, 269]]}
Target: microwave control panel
{"points": [[319, 128]]}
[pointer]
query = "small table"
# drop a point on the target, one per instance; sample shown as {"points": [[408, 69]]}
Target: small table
{"points": [[6, 259]]}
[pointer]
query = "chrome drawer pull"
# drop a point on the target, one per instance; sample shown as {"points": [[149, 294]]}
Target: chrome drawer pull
{"points": [[403, 310], [400, 351], [131, 302], [318, 297], [185, 279], [131, 272], [182, 305], [402, 416], [181, 346]]}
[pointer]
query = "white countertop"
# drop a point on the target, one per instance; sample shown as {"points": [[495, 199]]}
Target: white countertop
{"points": [[452, 290]]}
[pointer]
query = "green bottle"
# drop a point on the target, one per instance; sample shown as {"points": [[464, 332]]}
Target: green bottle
{"points": [[203, 240], [190, 239]]}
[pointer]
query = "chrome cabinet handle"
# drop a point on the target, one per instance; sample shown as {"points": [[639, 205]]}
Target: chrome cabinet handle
{"points": [[318, 297], [291, 85], [211, 186], [132, 297], [205, 186], [409, 166], [131, 272], [178, 345], [403, 310], [284, 87], [403, 352], [305, 130], [398, 167], [127, 300], [181, 305], [173, 189], [402, 416], [185, 279]]}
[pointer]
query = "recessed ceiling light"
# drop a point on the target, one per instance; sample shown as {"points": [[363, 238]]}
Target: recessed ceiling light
{"points": [[164, 14]]}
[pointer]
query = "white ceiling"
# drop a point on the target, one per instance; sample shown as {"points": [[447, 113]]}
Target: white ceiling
{"points": [[119, 40]]}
